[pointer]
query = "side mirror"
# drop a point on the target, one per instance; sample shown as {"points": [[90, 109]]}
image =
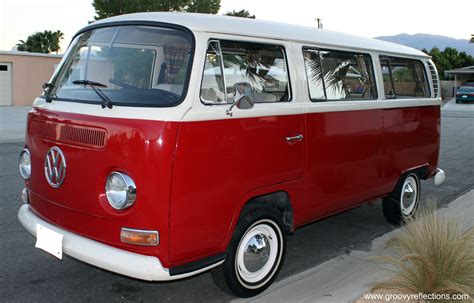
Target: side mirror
{"points": [[243, 97], [47, 87]]}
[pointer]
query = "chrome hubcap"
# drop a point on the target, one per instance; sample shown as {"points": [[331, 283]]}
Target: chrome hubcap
{"points": [[257, 252], [409, 196]]}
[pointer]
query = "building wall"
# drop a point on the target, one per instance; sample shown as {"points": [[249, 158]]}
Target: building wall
{"points": [[29, 72], [447, 88]]}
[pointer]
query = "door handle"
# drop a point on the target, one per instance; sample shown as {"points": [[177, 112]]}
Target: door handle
{"points": [[294, 139]]}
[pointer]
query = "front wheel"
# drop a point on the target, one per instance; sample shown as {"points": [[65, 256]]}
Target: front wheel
{"points": [[255, 254], [403, 202]]}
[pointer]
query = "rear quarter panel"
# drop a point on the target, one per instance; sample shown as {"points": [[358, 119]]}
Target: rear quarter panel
{"points": [[411, 139]]}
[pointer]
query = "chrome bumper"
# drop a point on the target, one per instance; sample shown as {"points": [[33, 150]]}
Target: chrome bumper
{"points": [[104, 256], [439, 176]]}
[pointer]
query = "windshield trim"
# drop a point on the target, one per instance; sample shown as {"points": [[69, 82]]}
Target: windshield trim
{"points": [[158, 24]]}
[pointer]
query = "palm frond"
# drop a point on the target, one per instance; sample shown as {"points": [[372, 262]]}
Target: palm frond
{"points": [[313, 69]]}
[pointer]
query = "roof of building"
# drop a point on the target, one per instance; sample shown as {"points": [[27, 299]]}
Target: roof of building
{"points": [[462, 70], [20, 53], [267, 29]]}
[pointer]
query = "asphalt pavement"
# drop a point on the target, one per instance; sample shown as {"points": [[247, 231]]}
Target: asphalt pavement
{"points": [[30, 275], [13, 123]]}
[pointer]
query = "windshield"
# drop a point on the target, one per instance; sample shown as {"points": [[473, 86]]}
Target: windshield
{"points": [[138, 66], [466, 89]]}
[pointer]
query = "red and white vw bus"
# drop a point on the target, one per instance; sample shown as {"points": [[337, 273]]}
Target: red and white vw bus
{"points": [[167, 144]]}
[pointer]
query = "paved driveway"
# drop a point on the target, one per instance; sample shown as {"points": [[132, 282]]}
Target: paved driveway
{"points": [[462, 107]]}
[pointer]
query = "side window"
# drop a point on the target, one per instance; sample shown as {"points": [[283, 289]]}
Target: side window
{"points": [[387, 79], [263, 66], [339, 75], [212, 87], [404, 78], [312, 62]]}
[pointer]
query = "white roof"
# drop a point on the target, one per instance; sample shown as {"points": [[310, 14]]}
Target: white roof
{"points": [[267, 29]]}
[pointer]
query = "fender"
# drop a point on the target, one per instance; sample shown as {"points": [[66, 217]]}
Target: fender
{"points": [[295, 194], [421, 171]]}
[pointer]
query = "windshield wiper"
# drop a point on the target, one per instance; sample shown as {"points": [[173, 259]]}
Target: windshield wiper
{"points": [[47, 87], [95, 87]]}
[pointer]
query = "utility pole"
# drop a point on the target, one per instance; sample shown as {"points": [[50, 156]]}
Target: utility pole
{"points": [[320, 23]]}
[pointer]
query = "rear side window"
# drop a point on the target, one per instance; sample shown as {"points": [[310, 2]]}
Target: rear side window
{"points": [[339, 75], [263, 66], [404, 78]]}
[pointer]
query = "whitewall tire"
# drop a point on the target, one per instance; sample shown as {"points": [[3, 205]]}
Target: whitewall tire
{"points": [[404, 201], [255, 254]]}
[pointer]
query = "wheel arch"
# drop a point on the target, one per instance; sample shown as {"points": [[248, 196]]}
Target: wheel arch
{"points": [[421, 172], [279, 200]]}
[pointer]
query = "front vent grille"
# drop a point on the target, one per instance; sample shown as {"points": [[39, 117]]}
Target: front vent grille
{"points": [[69, 134], [82, 135], [435, 79], [43, 129]]}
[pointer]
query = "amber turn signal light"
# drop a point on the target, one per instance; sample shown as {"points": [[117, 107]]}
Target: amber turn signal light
{"points": [[139, 237]]}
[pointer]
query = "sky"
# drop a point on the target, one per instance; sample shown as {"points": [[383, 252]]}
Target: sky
{"points": [[370, 18]]}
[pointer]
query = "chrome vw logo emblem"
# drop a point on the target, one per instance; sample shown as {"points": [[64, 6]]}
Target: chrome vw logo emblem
{"points": [[55, 167]]}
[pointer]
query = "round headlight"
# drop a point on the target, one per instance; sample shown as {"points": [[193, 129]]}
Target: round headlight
{"points": [[120, 190], [25, 164]]}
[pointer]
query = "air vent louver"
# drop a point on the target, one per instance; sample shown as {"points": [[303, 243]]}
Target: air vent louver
{"points": [[69, 134], [82, 135], [435, 79]]}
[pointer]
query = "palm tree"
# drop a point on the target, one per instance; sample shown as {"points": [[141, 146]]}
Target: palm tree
{"points": [[41, 42], [21, 46], [53, 39]]}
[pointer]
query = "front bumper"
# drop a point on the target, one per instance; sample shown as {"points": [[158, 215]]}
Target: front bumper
{"points": [[104, 256], [461, 99]]}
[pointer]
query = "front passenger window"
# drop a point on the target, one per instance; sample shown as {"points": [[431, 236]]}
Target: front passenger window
{"points": [[263, 66]]}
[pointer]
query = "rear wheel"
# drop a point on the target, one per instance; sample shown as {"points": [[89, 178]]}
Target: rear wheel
{"points": [[403, 202], [255, 254]]}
